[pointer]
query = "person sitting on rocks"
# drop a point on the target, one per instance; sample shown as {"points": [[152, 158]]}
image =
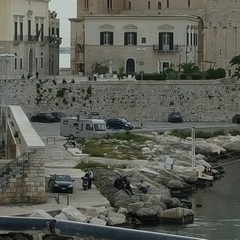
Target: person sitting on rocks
{"points": [[118, 183], [143, 187], [127, 185]]}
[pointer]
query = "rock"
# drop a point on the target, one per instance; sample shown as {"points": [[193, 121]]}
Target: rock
{"points": [[116, 219], [39, 213], [98, 221], [61, 216], [134, 207], [175, 184], [73, 214], [146, 214]]}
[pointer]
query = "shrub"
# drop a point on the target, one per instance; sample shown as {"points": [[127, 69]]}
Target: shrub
{"points": [[151, 76]]}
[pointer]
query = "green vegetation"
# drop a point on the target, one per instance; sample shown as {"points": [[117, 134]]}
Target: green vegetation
{"points": [[235, 61], [124, 145], [184, 133]]}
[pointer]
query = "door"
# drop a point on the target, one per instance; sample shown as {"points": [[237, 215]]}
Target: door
{"points": [[130, 66]]}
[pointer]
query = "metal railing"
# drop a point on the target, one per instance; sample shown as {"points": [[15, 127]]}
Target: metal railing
{"points": [[84, 230], [11, 168], [160, 49]]}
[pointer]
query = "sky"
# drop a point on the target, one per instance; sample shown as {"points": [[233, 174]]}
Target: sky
{"points": [[65, 9]]}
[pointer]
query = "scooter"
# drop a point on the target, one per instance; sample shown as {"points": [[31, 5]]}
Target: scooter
{"points": [[85, 182]]}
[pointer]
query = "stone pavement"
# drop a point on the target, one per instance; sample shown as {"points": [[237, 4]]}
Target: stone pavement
{"points": [[55, 163]]}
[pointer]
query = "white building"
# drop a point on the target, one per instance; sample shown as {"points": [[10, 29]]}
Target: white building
{"points": [[31, 33], [135, 43], [204, 31]]}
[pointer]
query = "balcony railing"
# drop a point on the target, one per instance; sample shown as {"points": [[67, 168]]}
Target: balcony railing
{"points": [[165, 49], [32, 38]]}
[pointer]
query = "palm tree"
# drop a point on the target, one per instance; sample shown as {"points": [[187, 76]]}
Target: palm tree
{"points": [[236, 62]]}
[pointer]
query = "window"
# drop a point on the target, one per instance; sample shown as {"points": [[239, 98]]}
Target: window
{"points": [[130, 38], [21, 31], [109, 4], [189, 3], [57, 32], [75, 125], [187, 38], [195, 39], [21, 64], [15, 30], [86, 4], [89, 127], [129, 5], [15, 63], [159, 5], [41, 60], [166, 41], [42, 31], [29, 30], [106, 38], [149, 5], [167, 3], [144, 40]]}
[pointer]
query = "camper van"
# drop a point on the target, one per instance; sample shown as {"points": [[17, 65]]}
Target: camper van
{"points": [[73, 127]]}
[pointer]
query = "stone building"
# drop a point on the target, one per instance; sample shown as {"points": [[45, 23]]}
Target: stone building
{"points": [[204, 32], [31, 33]]}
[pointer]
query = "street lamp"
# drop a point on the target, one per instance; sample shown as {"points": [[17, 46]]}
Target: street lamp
{"points": [[141, 63], [193, 147], [4, 57]]}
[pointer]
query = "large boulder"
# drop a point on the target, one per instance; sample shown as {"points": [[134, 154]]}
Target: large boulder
{"points": [[73, 214], [116, 219]]}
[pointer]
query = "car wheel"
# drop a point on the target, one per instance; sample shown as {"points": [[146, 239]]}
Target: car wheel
{"points": [[71, 137]]}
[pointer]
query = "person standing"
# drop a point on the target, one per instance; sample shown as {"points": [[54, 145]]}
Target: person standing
{"points": [[90, 172]]}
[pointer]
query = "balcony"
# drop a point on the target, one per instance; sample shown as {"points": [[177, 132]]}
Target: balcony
{"points": [[166, 49]]}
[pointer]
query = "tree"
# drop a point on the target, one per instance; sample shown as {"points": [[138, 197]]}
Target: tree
{"points": [[236, 62]]}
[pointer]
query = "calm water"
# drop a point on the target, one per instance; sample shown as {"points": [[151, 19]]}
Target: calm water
{"points": [[219, 216]]}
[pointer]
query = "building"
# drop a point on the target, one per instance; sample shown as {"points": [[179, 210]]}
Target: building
{"points": [[151, 35], [31, 33]]}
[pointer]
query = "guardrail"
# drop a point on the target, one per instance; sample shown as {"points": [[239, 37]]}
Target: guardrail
{"points": [[84, 230]]}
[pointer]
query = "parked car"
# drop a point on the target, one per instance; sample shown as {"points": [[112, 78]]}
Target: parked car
{"points": [[175, 117], [119, 123], [58, 115], [236, 118], [44, 117], [61, 183]]}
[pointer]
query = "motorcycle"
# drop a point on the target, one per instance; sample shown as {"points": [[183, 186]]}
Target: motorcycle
{"points": [[85, 182]]}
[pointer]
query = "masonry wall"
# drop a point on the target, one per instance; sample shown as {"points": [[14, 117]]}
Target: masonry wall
{"points": [[25, 183], [212, 100]]}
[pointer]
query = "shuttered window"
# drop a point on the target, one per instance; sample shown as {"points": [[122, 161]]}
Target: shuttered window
{"points": [[106, 38]]}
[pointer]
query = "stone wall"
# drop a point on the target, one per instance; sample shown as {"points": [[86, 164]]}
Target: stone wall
{"points": [[212, 100], [26, 180]]}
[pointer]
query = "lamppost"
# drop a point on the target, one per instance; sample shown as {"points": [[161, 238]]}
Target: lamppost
{"points": [[4, 58], [193, 146], [54, 42], [141, 63]]}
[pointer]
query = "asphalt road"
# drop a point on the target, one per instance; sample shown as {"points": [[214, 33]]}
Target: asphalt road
{"points": [[53, 129]]}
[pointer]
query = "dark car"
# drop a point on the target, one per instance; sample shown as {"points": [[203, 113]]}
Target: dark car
{"points": [[44, 117], [58, 115], [236, 118], [175, 117], [61, 183], [119, 123]]}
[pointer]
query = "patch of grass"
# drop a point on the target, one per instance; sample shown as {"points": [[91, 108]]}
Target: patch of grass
{"points": [[235, 132], [127, 135], [124, 145]]}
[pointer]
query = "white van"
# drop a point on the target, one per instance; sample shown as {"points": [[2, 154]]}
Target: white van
{"points": [[73, 127]]}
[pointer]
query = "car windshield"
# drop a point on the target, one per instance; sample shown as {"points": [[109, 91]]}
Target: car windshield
{"points": [[123, 120], [49, 115], [100, 127], [63, 178]]}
